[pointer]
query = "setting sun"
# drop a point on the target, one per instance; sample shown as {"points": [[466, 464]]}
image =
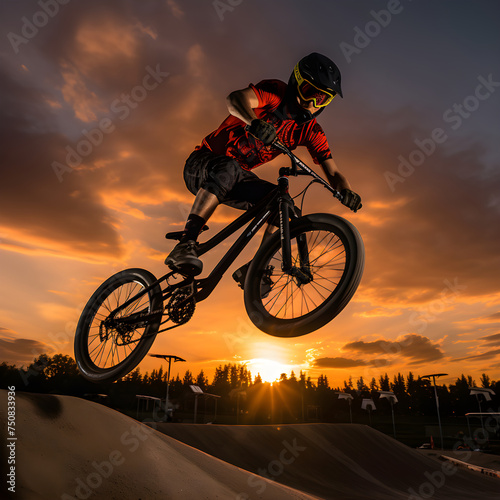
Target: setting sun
{"points": [[268, 369]]}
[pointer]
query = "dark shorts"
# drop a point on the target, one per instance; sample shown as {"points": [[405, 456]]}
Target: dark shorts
{"points": [[223, 177]]}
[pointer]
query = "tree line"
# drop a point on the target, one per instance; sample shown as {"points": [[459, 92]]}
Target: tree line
{"points": [[292, 398]]}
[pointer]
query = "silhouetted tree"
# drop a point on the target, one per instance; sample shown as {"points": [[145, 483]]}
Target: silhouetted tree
{"points": [[411, 385], [362, 387], [234, 378], [245, 377], [323, 381], [202, 381], [188, 379], [384, 383], [485, 381]]}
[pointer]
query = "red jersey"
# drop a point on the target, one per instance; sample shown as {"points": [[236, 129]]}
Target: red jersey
{"points": [[231, 138]]}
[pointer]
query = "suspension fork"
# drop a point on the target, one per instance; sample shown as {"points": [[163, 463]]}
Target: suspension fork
{"points": [[285, 204], [287, 210]]}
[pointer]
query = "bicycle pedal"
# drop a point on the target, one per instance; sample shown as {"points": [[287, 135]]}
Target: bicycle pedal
{"points": [[187, 270], [240, 274], [177, 235]]}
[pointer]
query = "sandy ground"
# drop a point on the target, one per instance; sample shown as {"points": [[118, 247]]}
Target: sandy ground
{"points": [[68, 448]]}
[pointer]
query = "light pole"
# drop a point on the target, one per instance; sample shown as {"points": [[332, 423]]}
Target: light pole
{"points": [[368, 405], [169, 358], [345, 395], [486, 393], [392, 399], [434, 375]]}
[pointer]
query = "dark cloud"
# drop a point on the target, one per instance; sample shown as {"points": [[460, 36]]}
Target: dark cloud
{"points": [[380, 362], [72, 216], [480, 357], [491, 340], [494, 317], [416, 348], [20, 351], [488, 342], [416, 241], [341, 362], [338, 362]]}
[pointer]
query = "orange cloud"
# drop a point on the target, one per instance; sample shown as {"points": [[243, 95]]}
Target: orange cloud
{"points": [[84, 102]]}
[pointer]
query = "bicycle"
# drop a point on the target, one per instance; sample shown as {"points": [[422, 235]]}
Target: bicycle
{"points": [[313, 264]]}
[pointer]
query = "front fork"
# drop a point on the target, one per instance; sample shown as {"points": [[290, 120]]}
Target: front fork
{"points": [[287, 209]]}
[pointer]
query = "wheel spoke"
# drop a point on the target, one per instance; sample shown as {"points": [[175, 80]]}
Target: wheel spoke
{"points": [[105, 354], [289, 297]]}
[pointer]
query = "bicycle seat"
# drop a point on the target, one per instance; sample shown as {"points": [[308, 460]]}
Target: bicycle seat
{"points": [[177, 235]]}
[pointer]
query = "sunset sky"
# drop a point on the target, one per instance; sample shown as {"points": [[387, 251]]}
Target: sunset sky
{"points": [[417, 135]]}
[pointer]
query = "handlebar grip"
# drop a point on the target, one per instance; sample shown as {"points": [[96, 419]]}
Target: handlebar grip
{"points": [[336, 194]]}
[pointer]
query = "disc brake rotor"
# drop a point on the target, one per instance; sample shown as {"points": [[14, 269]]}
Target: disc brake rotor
{"points": [[121, 334]]}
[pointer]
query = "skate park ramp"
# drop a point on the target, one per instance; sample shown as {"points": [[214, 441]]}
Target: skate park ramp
{"points": [[336, 461], [69, 448]]}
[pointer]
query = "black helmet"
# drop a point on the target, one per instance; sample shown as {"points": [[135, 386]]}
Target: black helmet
{"points": [[317, 78]]}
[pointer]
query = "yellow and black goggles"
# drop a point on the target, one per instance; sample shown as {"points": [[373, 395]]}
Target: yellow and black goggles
{"points": [[309, 92]]}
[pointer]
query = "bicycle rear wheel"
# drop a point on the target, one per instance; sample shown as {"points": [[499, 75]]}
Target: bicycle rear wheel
{"points": [[109, 345], [328, 255]]}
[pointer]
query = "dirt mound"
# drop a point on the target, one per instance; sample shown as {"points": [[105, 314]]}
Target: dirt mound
{"points": [[337, 461], [69, 448]]}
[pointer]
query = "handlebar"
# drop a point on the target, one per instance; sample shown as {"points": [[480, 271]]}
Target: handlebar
{"points": [[296, 162], [304, 169]]}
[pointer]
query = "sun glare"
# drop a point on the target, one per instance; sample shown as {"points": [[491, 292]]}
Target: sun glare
{"points": [[269, 370]]}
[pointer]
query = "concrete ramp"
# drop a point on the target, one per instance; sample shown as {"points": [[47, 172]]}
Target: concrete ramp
{"points": [[69, 448], [335, 461]]}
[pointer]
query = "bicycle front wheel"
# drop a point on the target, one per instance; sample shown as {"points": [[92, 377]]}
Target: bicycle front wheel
{"points": [[328, 262], [109, 344]]}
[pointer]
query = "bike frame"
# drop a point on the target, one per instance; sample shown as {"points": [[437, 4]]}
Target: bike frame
{"points": [[278, 202]]}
